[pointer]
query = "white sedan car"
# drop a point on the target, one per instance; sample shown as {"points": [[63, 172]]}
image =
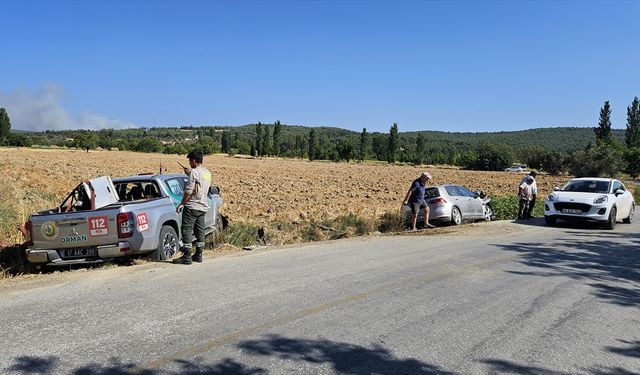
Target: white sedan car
{"points": [[603, 200]]}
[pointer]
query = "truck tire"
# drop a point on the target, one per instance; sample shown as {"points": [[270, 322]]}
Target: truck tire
{"points": [[167, 244], [217, 236]]}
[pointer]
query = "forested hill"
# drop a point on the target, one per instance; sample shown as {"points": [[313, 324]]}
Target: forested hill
{"points": [[328, 142], [558, 139]]}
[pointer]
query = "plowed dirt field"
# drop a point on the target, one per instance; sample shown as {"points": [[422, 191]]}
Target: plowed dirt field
{"points": [[257, 191]]}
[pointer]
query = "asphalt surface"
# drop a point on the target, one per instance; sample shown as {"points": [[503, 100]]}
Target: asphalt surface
{"points": [[495, 298]]}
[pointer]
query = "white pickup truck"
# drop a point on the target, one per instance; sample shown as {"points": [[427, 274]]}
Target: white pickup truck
{"points": [[103, 218]]}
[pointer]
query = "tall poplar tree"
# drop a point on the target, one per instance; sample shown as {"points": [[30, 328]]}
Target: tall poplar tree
{"points": [[277, 130], [603, 130], [259, 139], [225, 141], [266, 142], [420, 148], [5, 124], [632, 134], [394, 141], [312, 144], [364, 140]]}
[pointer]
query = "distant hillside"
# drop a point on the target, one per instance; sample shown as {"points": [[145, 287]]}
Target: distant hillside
{"points": [[329, 143], [559, 139]]}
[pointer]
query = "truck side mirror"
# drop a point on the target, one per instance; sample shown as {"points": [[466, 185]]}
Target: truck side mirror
{"points": [[214, 190]]}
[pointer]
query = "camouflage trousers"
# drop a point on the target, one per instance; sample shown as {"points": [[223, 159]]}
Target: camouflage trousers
{"points": [[192, 226]]}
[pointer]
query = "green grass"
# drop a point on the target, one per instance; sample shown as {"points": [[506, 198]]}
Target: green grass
{"points": [[506, 208], [240, 234], [636, 195], [390, 222]]}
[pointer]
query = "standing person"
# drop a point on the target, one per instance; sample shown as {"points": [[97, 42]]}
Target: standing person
{"points": [[415, 200], [525, 193], [195, 206], [534, 192]]}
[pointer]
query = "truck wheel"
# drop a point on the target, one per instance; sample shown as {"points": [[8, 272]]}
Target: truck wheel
{"points": [[167, 244], [217, 236]]}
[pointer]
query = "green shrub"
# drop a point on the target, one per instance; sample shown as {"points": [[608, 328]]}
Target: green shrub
{"points": [[598, 161], [360, 226], [506, 208], [390, 222], [311, 232], [242, 234]]}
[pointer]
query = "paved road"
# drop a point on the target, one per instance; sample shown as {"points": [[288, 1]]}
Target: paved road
{"points": [[498, 298]]}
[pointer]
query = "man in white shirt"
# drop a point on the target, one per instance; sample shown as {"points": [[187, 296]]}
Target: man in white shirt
{"points": [[534, 192]]}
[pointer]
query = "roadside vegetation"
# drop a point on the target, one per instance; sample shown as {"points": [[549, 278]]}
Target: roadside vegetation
{"points": [[274, 195], [596, 151]]}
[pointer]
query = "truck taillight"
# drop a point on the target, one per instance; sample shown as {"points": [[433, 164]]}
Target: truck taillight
{"points": [[126, 224], [28, 226]]}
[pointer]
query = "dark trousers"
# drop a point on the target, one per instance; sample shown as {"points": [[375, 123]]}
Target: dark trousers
{"points": [[192, 225], [532, 203], [523, 209]]}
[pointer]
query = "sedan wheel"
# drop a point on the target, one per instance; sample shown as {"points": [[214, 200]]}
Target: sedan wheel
{"points": [[456, 216], [611, 223], [629, 219], [488, 213]]}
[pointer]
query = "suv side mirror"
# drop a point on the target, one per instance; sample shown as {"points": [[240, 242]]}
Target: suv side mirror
{"points": [[619, 192], [555, 188]]}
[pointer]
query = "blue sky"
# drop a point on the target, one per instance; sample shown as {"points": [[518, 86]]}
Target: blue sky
{"points": [[427, 65]]}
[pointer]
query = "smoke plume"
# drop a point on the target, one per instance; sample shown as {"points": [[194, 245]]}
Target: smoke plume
{"points": [[41, 110]]}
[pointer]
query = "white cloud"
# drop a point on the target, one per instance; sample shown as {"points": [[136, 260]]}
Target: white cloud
{"points": [[41, 110]]}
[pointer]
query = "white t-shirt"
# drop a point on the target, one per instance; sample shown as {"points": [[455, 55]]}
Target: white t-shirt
{"points": [[526, 191], [534, 187]]}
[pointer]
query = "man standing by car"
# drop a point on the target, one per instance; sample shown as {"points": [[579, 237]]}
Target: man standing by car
{"points": [[524, 192], [415, 199], [195, 204], [534, 192]]}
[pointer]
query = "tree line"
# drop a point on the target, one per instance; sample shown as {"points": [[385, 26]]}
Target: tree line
{"points": [[580, 151]]}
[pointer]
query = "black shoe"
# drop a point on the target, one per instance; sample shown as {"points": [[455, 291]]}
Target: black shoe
{"points": [[197, 258], [183, 260]]}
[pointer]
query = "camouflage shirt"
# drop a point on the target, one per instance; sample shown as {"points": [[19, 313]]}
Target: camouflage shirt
{"points": [[198, 186]]}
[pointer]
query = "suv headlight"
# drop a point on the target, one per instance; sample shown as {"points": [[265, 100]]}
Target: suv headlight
{"points": [[601, 199], [552, 197]]}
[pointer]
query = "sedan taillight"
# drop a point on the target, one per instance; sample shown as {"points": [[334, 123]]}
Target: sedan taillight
{"points": [[438, 201]]}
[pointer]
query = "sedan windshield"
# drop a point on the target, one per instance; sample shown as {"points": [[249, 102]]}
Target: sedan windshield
{"points": [[587, 186]]}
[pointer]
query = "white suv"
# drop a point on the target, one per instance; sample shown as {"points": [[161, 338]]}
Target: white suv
{"points": [[603, 200]]}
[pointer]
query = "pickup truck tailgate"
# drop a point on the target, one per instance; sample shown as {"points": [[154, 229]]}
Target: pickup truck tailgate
{"points": [[75, 230]]}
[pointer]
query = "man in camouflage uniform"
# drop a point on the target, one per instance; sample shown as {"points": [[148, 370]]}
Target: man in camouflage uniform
{"points": [[194, 206]]}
